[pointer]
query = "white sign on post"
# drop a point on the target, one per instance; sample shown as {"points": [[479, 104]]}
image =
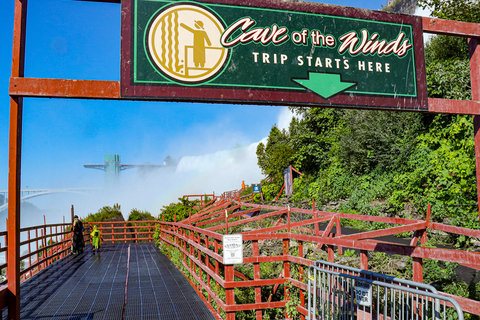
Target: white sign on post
{"points": [[363, 293], [232, 249]]}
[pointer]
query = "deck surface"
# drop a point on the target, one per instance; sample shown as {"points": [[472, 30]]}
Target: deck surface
{"points": [[93, 286]]}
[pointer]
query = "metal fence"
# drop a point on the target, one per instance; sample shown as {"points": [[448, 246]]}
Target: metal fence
{"points": [[343, 296], [374, 276]]}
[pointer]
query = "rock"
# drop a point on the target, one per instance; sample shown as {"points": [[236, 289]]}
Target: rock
{"points": [[475, 242], [400, 264]]}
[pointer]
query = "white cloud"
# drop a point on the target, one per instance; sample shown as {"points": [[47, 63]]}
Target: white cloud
{"points": [[424, 13], [284, 118]]}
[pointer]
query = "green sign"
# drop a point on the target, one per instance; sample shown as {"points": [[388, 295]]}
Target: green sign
{"points": [[259, 52]]}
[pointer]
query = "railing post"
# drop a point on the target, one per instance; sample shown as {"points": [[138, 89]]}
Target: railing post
{"points": [[302, 294], [36, 247], [62, 238], [256, 276], [200, 270], [44, 242], [226, 221], [315, 215], [29, 257], [207, 263], [286, 271], [217, 271], [288, 221], [363, 259], [229, 293], [331, 253]]}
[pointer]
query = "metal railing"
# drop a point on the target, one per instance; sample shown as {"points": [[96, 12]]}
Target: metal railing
{"points": [[373, 276], [342, 296]]}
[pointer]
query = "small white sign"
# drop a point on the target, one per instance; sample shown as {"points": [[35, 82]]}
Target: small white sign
{"points": [[363, 293], [232, 249]]}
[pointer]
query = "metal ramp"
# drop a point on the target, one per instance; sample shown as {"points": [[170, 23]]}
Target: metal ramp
{"points": [[123, 281]]}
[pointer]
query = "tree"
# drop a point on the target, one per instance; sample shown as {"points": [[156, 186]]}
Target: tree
{"points": [[466, 10], [276, 155], [138, 215], [181, 210], [377, 140], [313, 137], [107, 213]]}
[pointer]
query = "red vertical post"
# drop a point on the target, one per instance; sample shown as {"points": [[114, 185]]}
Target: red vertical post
{"points": [[286, 270], [229, 293], [36, 247], [363, 259], [207, 263], [331, 253], [217, 271], [199, 253], [14, 163], [288, 220], [302, 294], [256, 276], [226, 222], [44, 240], [315, 215], [475, 81], [29, 257]]}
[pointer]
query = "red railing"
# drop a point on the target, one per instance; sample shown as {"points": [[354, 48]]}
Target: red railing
{"points": [[122, 231], [43, 245], [47, 243], [199, 239]]}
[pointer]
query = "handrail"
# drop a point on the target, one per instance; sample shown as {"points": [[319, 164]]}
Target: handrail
{"points": [[200, 247]]}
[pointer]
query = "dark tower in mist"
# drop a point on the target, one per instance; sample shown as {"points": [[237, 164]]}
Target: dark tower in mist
{"points": [[112, 167]]}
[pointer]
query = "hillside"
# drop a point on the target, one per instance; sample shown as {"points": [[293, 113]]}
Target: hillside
{"points": [[401, 6]]}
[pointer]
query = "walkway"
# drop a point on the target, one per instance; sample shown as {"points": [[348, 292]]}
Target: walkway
{"points": [[93, 286]]}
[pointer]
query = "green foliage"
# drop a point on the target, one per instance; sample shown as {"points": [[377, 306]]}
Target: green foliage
{"points": [[181, 210], [138, 215], [293, 302], [466, 10], [313, 137], [376, 140], [449, 79], [106, 213], [276, 155]]}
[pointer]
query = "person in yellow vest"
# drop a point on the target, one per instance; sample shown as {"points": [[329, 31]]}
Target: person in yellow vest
{"points": [[95, 239]]}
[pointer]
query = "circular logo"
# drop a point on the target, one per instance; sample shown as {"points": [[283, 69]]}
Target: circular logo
{"points": [[183, 43]]}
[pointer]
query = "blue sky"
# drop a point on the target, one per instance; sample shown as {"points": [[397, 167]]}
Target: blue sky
{"points": [[81, 40]]}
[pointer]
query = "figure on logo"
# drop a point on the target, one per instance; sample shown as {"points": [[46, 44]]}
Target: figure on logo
{"points": [[199, 38]]}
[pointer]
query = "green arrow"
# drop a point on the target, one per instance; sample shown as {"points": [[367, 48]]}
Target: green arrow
{"points": [[325, 85]]}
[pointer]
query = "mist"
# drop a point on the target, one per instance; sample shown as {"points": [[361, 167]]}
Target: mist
{"points": [[150, 190]]}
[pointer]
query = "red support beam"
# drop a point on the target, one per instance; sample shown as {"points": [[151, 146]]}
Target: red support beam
{"points": [[453, 28], [14, 164], [64, 88], [453, 106]]}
